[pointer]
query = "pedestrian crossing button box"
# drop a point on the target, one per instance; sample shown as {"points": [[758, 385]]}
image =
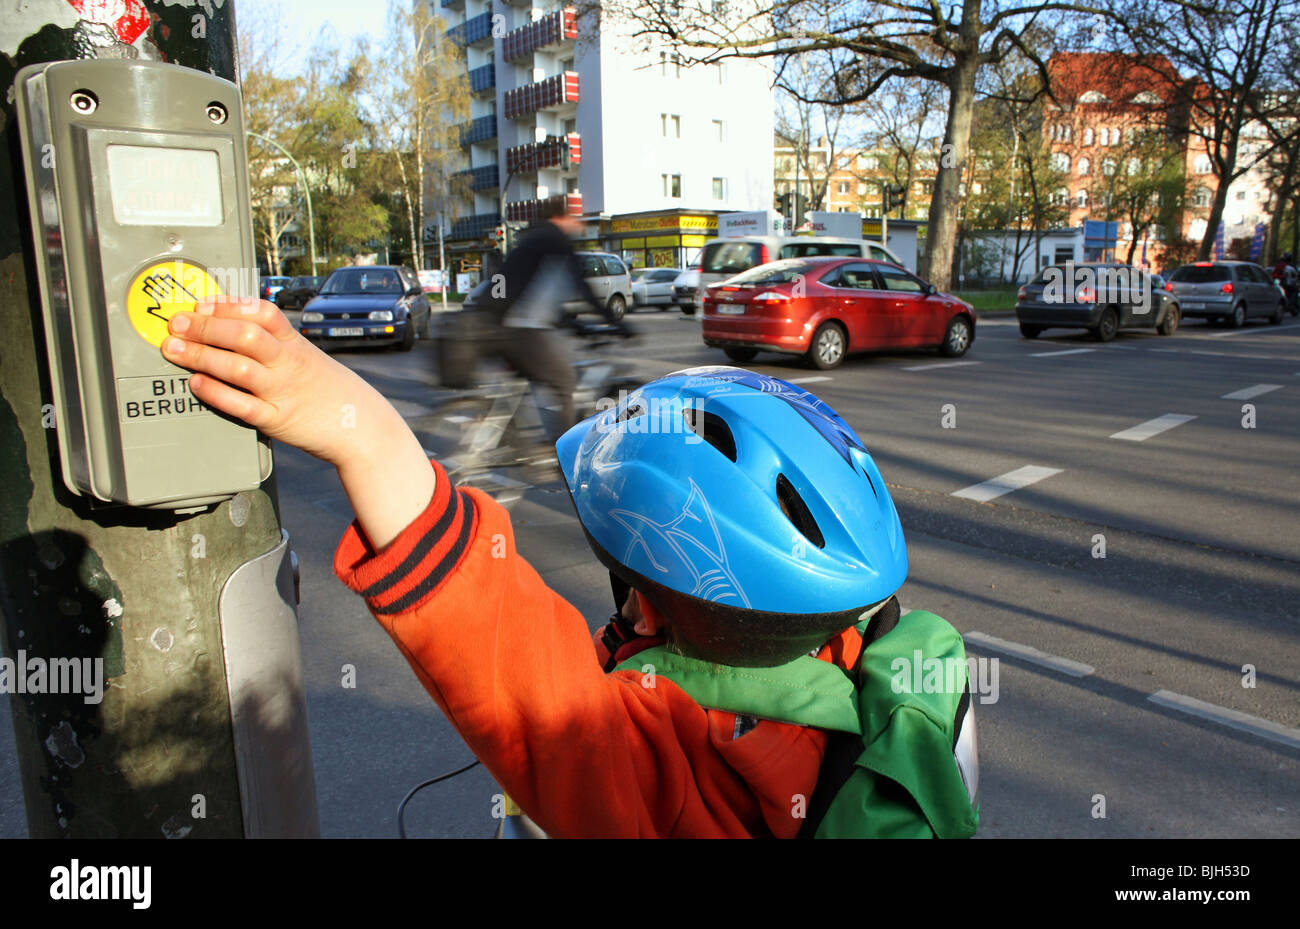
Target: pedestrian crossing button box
{"points": [[137, 177]]}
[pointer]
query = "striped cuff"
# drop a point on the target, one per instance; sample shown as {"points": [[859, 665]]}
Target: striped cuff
{"points": [[409, 569]]}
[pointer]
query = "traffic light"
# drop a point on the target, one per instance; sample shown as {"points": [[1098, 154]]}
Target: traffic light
{"points": [[894, 197], [499, 237], [785, 205]]}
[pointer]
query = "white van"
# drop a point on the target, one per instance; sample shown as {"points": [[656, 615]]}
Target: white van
{"points": [[724, 258]]}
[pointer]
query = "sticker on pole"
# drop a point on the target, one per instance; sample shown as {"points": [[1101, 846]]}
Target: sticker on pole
{"points": [[161, 291]]}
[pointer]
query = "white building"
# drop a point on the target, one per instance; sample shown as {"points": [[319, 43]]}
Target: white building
{"points": [[645, 149]]}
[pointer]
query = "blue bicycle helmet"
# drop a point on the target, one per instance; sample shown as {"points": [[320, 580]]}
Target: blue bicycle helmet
{"points": [[744, 508]]}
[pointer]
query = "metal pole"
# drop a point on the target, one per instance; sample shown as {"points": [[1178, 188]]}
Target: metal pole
{"points": [[201, 725], [306, 191], [442, 261]]}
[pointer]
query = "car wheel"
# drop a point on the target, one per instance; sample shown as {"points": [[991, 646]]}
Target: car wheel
{"points": [[617, 307], [828, 344], [1238, 317], [1276, 318], [408, 337], [956, 339], [688, 309], [741, 355], [1107, 326], [1170, 324], [1030, 332]]}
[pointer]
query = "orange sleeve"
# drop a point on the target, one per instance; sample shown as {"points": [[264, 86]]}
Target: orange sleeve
{"points": [[512, 665]]}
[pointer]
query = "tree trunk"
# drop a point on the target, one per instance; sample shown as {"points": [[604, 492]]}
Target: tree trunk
{"points": [[942, 233], [1223, 170]]}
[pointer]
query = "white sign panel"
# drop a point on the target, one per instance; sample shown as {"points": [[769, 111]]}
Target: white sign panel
{"points": [[839, 225], [758, 222]]}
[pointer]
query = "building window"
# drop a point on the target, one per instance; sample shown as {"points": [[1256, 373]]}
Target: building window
{"points": [[719, 188], [672, 185], [717, 130], [1087, 136], [1060, 196], [1134, 166], [666, 60], [1081, 199], [1108, 167], [1084, 167], [722, 74], [843, 187], [671, 125], [1103, 137], [1201, 197], [1060, 162], [868, 162], [1203, 165]]}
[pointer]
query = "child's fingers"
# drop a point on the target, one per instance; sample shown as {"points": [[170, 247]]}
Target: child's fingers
{"points": [[243, 406], [231, 367], [233, 334], [266, 315]]}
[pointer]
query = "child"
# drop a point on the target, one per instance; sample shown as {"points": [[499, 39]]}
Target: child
{"points": [[744, 526]]}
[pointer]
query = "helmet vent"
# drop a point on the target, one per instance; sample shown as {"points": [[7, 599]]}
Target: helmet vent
{"points": [[712, 428], [797, 512], [631, 411]]}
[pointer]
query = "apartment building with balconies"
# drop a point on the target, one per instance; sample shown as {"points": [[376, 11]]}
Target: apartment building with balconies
{"points": [[622, 132]]}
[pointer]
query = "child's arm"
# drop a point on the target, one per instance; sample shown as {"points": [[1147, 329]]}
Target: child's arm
{"points": [[510, 662], [292, 391]]}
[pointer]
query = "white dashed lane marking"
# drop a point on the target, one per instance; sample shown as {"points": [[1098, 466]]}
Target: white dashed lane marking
{"points": [[1247, 392], [812, 379], [1030, 654], [1004, 484], [1245, 330], [1144, 431], [941, 364], [1233, 719], [1068, 351]]}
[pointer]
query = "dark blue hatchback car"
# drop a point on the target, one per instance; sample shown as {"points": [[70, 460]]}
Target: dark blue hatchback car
{"points": [[367, 306]]}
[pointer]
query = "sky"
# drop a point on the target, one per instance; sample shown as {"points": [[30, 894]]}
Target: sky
{"points": [[304, 19]]}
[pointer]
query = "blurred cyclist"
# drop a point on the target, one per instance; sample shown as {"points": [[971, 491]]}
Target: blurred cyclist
{"points": [[540, 274]]}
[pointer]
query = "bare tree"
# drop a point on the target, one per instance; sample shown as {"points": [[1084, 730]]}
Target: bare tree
{"points": [[1227, 54], [421, 96], [865, 45], [802, 123]]}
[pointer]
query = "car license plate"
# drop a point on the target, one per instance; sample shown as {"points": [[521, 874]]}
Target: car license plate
{"points": [[348, 331], [1193, 306], [727, 310]]}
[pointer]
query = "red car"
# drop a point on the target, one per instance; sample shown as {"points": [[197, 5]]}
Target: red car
{"points": [[825, 308]]}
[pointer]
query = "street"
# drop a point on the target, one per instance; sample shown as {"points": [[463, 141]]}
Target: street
{"points": [[1152, 692]]}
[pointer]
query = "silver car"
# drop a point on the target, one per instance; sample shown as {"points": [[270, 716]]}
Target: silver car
{"points": [[654, 286], [608, 279], [1228, 292]]}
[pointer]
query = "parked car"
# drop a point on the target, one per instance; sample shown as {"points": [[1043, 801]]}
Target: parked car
{"points": [[365, 306], [1102, 297], [295, 294], [1228, 292], [268, 287], [608, 279], [685, 290], [827, 307], [723, 258], [654, 286]]}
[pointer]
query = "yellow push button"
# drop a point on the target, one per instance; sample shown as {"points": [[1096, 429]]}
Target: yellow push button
{"points": [[161, 291]]}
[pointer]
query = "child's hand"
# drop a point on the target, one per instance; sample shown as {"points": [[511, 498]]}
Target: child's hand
{"points": [[250, 363]]}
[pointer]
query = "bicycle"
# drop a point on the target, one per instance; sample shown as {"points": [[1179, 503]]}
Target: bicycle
{"points": [[497, 433]]}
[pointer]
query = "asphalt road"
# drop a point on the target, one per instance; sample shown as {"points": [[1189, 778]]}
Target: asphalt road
{"points": [[1121, 707]]}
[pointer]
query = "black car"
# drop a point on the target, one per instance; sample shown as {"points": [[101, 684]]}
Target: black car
{"points": [[1100, 297], [366, 306], [295, 294]]}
